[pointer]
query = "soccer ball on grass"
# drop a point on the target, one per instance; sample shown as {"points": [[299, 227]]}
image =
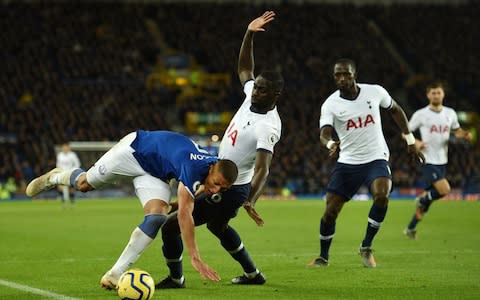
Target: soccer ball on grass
{"points": [[135, 284]]}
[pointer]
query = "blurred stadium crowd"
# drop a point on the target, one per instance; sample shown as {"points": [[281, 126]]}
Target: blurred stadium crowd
{"points": [[96, 71]]}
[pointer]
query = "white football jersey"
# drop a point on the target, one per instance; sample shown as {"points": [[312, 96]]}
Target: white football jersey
{"points": [[358, 124], [67, 161], [435, 130], [247, 132]]}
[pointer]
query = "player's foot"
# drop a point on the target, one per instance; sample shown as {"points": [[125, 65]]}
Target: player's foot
{"points": [[367, 255], [109, 281], [318, 262], [41, 183], [411, 233], [168, 283], [258, 279]]}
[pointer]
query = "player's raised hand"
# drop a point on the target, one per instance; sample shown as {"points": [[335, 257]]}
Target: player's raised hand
{"points": [[204, 270], [257, 24], [253, 213]]}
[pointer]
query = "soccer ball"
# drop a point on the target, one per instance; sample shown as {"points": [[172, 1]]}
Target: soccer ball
{"points": [[135, 284]]}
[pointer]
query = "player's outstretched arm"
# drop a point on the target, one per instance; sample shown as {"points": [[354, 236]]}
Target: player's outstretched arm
{"points": [[187, 227], [326, 134], [402, 122], [246, 62], [263, 160]]}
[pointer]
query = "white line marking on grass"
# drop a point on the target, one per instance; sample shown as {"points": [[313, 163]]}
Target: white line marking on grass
{"points": [[62, 260], [36, 291]]}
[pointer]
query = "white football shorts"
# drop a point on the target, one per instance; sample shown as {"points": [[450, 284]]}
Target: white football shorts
{"points": [[119, 162]]}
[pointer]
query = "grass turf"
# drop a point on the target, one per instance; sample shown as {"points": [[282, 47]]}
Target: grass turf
{"points": [[66, 251]]}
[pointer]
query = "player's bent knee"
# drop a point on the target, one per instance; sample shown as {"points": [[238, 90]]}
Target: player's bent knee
{"points": [[151, 224], [217, 228]]}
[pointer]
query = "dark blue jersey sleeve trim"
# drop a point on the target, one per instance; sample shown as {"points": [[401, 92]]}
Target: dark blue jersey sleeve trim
{"points": [[264, 150]]}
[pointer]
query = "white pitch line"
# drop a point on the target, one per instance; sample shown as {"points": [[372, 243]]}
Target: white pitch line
{"points": [[36, 291]]}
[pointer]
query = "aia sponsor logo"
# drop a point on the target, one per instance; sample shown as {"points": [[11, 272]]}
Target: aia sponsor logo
{"points": [[439, 129], [360, 122]]}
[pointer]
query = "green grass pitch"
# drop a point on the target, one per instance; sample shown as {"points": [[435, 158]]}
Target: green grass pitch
{"points": [[66, 251]]}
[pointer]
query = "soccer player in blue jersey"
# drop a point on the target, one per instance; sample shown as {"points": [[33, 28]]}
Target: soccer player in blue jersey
{"points": [[151, 159], [248, 141]]}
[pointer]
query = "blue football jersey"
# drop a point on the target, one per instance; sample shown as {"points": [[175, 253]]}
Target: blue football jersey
{"points": [[167, 155]]}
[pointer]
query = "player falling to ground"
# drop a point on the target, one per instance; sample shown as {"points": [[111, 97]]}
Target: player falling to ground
{"points": [[151, 159], [435, 123], [248, 141], [66, 160], [353, 111]]}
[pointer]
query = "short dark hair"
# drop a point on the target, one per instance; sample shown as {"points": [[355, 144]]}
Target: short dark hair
{"points": [[435, 85], [275, 77], [346, 61], [228, 169]]}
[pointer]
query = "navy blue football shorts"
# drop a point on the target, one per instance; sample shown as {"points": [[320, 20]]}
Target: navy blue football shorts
{"points": [[346, 179], [220, 207], [433, 173]]}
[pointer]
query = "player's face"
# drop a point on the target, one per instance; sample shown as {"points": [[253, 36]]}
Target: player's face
{"points": [[215, 182], [435, 96], [344, 76], [263, 94]]}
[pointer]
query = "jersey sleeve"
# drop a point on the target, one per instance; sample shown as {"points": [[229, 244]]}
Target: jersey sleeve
{"points": [[415, 121], [386, 101], [267, 137], [187, 177], [455, 124], [326, 115]]}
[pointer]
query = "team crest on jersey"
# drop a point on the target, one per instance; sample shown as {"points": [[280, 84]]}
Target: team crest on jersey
{"points": [[102, 169], [196, 185], [272, 139]]}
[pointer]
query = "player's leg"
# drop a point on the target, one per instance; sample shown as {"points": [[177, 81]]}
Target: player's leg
{"points": [[115, 162], [154, 195], [379, 180], [343, 184], [327, 227], [438, 188], [232, 243], [380, 190], [172, 251], [71, 194]]}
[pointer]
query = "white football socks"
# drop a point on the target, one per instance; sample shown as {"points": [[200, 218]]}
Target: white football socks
{"points": [[139, 241], [62, 178]]}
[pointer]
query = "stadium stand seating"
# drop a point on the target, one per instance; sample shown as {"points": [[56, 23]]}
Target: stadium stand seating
{"points": [[79, 72]]}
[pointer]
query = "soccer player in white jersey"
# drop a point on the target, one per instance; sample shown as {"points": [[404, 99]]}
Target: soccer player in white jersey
{"points": [[435, 122], [66, 160], [151, 159], [248, 141], [353, 111]]}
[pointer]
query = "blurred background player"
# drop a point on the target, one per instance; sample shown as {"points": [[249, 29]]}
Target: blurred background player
{"points": [[353, 111], [151, 159], [435, 122], [249, 142], [66, 160]]}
